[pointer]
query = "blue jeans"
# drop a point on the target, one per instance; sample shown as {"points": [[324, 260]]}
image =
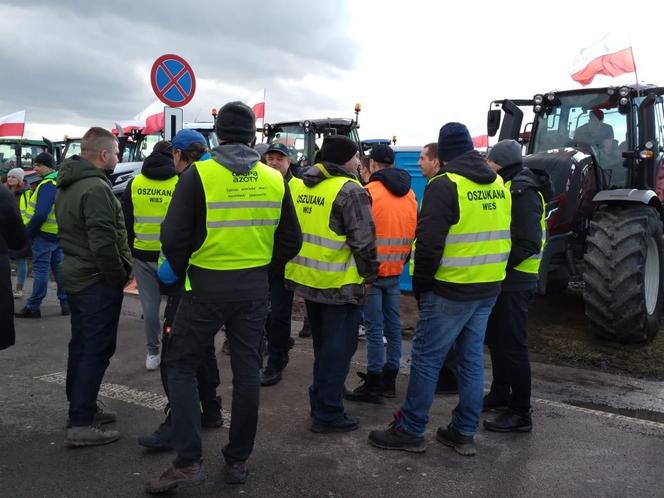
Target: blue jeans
{"points": [[45, 255], [95, 312], [334, 330], [381, 316], [21, 271], [441, 323]]}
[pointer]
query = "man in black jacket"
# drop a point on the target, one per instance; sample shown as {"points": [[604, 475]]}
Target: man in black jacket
{"points": [[12, 236], [506, 333], [230, 218]]}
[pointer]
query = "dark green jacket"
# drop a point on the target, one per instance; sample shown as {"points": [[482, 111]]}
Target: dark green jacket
{"points": [[91, 228]]}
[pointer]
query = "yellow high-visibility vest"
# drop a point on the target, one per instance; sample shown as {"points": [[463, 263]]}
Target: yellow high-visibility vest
{"points": [[50, 225], [325, 260], [150, 199]]}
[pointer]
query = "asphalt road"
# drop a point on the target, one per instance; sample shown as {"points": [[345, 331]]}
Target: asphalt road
{"points": [[574, 449]]}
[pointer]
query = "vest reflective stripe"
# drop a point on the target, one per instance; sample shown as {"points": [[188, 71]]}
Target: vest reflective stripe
{"points": [[478, 245], [394, 242], [50, 224], [150, 199], [23, 202], [242, 214], [325, 260]]}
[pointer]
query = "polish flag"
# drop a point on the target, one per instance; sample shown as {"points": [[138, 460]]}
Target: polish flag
{"points": [[150, 120], [12, 125], [481, 141], [257, 104], [611, 56]]}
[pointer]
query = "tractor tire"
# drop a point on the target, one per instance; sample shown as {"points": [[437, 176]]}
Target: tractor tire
{"points": [[624, 273]]}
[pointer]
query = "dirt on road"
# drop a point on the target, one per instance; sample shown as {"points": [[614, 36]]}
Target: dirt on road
{"points": [[559, 334]]}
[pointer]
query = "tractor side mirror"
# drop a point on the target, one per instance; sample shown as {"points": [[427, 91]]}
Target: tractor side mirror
{"points": [[493, 122]]}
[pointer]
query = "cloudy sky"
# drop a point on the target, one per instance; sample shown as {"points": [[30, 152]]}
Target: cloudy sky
{"points": [[413, 65]]}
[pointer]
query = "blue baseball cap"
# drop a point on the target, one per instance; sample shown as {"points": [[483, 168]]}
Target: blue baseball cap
{"points": [[183, 139]]}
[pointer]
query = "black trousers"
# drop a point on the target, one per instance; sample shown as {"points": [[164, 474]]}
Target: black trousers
{"points": [[207, 375], [506, 337], [7, 333], [279, 323], [334, 332], [196, 323]]}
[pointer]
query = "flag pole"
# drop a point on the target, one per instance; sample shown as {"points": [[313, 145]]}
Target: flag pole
{"points": [[264, 108]]}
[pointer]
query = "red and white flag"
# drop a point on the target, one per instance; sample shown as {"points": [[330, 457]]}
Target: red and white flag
{"points": [[257, 104], [611, 56], [481, 141], [12, 125], [150, 120]]}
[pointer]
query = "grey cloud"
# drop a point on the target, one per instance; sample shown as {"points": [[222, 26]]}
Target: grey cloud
{"points": [[78, 61]]}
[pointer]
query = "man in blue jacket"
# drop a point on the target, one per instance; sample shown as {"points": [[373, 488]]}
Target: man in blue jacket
{"points": [[43, 233]]}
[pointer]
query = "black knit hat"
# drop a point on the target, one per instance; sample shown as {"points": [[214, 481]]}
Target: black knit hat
{"points": [[337, 149], [453, 140], [236, 122], [382, 153], [45, 159]]}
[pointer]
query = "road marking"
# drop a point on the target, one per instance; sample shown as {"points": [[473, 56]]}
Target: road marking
{"points": [[129, 395]]}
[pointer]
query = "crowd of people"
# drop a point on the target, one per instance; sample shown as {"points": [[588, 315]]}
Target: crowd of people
{"points": [[230, 236]]}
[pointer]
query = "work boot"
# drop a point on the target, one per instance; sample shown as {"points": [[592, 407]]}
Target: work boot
{"points": [[28, 313], [389, 382], [463, 445], [346, 424], [78, 437], [271, 375], [493, 401], [370, 391], [305, 331], [235, 473], [174, 477], [211, 417], [396, 438], [510, 421], [159, 440]]}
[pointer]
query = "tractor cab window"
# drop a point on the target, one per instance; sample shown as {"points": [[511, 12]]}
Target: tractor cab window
{"points": [[145, 146], [73, 148], [292, 137], [588, 121], [8, 156]]}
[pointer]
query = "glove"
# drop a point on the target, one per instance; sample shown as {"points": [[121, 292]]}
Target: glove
{"points": [[166, 273]]}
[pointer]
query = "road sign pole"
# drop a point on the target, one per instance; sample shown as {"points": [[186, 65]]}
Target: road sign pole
{"points": [[173, 121]]}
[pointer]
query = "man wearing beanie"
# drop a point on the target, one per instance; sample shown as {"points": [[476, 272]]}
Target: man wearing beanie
{"points": [[231, 217], [334, 268], [43, 232], [463, 243], [506, 333]]}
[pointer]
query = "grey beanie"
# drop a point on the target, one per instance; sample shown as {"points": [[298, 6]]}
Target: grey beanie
{"points": [[506, 153], [17, 173]]}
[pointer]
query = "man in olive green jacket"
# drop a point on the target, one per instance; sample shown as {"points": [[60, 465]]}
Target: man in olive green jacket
{"points": [[96, 267]]}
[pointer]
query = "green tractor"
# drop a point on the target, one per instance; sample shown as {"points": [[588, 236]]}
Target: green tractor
{"points": [[603, 149]]}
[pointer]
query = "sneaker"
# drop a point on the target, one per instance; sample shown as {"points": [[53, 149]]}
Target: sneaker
{"points": [[64, 310], [346, 424], [174, 477], [152, 362], [463, 445], [235, 473], [78, 437], [28, 313], [510, 421], [395, 438], [159, 440], [18, 294], [270, 375], [104, 415], [493, 402]]}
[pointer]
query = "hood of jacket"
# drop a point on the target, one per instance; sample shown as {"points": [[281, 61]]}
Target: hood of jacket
{"points": [[472, 166], [313, 175], [76, 169], [239, 158], [396, 180], [159, 166], [524, 178]]}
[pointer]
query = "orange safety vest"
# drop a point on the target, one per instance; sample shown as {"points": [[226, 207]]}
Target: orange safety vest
{"points": [[396, 221]]}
